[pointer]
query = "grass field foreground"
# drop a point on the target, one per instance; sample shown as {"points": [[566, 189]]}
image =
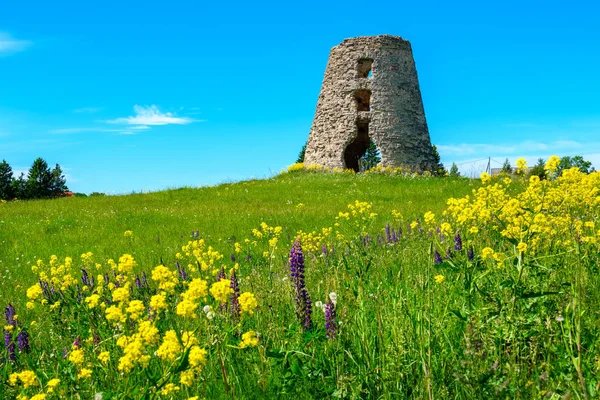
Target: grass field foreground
{"points": [[307, 285]]}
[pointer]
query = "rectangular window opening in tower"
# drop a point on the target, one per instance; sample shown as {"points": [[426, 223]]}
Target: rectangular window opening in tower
{"points": [[363, 100], [364, 68]]}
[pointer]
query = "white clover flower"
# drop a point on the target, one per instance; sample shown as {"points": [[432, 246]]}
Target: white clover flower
{"points": [[333, 297], [319, 304], [210, 315], [206, 309]]}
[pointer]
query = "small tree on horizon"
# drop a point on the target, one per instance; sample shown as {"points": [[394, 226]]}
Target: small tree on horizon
{"points": [[454, 171], [58, 184], [300, 158], [539, 169], [6, 177], [438, 167], [39, 180], [506, 167], [19, 187]]}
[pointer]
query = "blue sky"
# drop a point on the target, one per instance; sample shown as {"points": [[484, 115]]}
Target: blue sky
{"points": [[147, 95]]}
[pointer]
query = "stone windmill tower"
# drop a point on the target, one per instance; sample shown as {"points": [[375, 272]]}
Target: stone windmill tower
{"points": [[370, 91]]}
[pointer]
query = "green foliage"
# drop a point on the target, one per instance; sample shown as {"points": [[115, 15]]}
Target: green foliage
{"points": [[506, 167], [576, 161], [19, 187], [41, 182], [300, 158], [438, 167], [97, 194], [78, 194], [371, 158], [454, 171], [6, 188], [58, 183], [539, 169]]}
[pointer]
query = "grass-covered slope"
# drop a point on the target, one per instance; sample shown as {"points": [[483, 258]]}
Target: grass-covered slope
{"points": [[404, 287], [163, 221]]}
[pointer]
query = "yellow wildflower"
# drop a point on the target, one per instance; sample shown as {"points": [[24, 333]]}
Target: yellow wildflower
{"points": [[92, 301], [34, 292], [485, 178], [487, 252], [522, 247], [187, 378], [168, 389], [135, 309], [249, 339], [248, 302], [439, 278], [197, 357], [159, 302], [521, 166], [221, 290], [552, 164], [77, 357], [104, 356], [121, 294], [128, 233], [170, 347], [84, 373]]}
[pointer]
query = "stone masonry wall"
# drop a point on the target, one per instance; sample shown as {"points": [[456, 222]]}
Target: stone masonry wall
{"points": [[396, 120]]}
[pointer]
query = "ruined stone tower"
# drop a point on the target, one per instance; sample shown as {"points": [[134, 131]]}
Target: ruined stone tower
{"points": [[370, 91]]}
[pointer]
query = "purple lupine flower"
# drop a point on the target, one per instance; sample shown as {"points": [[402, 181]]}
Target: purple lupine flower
{"points": [[92, 283], [45, 291], [144, 279], [307, 309], [10, 346], [249, 257], [138, 281], [297, 264], [235, 304], [457, 242], [23, 341], [470, 254], [221, 274], [324, 249], [181, 270], [232, 257], [448, 253], [85, 279], [388, 234], [9, 314], [303, 302], [399, 232], [106, 279], [77, 342], [330, 323], [394, 236], [438, 257]]}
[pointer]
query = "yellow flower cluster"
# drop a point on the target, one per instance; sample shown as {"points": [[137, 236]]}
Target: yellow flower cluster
{"points": [[548, 213], [249, 339], [248, 303], [221, 291], [26, 378], [197, 289]]}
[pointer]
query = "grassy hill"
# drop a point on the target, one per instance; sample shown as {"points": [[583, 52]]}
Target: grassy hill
{"points": [[403, 287], [163, 221]]}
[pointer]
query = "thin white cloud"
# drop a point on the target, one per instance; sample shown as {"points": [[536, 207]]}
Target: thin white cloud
{"points": [[10, 45], [151, 115], [128, 130], [87, 110], [523, 148]]}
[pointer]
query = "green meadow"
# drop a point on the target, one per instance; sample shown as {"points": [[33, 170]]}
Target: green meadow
{"points": [[435, 310]]}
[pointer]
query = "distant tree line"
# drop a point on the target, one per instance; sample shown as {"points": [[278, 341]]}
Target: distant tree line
{"points": [[41, 182]]}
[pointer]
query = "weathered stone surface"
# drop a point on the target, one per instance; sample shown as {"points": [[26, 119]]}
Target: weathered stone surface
{"points": [[370, 90]]}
